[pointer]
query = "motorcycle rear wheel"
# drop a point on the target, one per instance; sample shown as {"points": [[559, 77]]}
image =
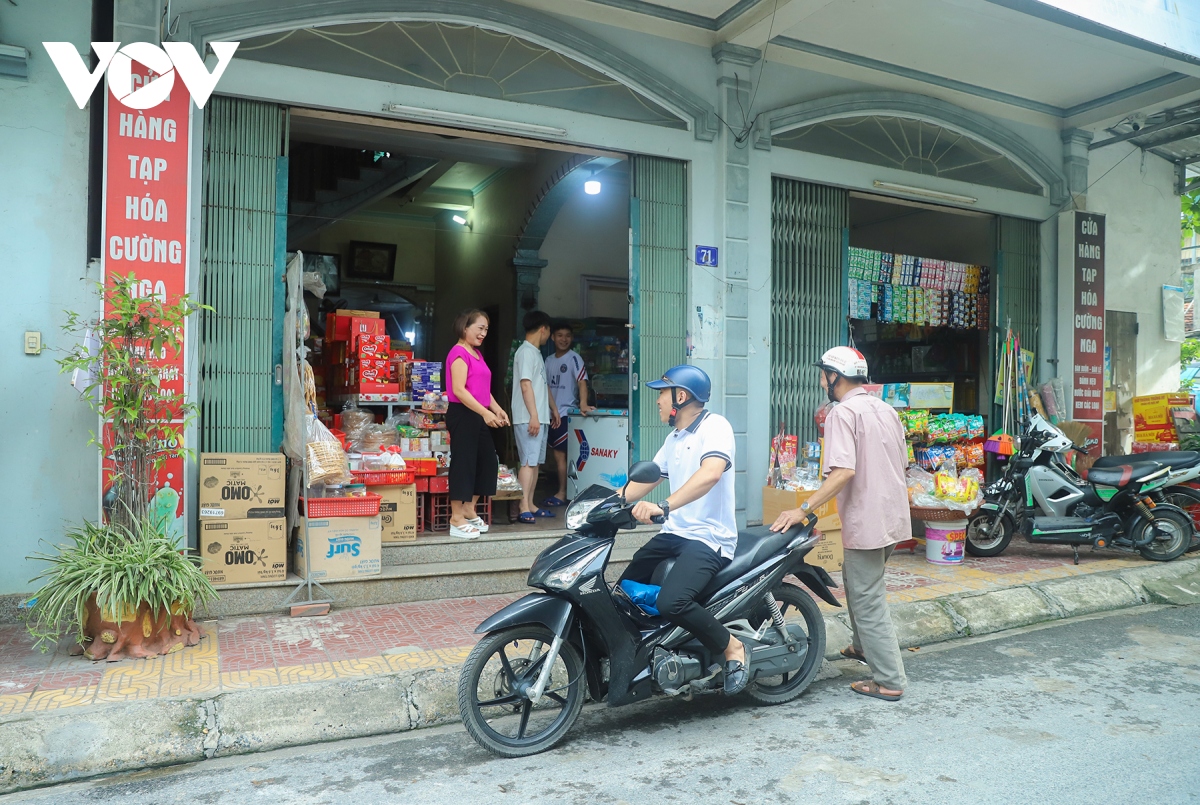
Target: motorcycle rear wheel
{"points": [[1174, 535], [490, 699], [1187, 499], [786, 687], [998, 536]]}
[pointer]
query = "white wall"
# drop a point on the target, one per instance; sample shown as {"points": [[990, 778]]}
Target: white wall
{"points": [[589, 236], [53, 474], [1135, 191]]}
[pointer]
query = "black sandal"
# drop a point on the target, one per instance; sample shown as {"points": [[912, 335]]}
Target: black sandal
{"points": [[851, 653]]}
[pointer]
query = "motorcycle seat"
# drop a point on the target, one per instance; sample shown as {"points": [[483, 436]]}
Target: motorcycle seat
{"points": [[1175, 459], [1123, 474], [754, 546]]}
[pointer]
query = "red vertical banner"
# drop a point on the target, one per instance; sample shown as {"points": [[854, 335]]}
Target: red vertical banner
{"points": [[146, 236], [1087, 401]]}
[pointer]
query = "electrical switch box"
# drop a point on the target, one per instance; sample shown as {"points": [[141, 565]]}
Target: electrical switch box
{"points": [[33, 343]]}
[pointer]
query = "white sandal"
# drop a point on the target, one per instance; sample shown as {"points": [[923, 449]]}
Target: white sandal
{"points": [[479, 524], [465, 531]]}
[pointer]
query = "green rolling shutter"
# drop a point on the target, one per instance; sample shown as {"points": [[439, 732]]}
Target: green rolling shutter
{"points": [[241, 276], [1017, 278], [808, 226], [658, 288]]}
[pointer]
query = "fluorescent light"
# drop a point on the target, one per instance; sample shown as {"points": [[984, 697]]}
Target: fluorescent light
{"points": [[410, 336], [473, 121], [458, 219], [924, 192], [592, 187]]}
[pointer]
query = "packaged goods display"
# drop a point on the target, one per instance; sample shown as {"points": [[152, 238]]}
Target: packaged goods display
{"points": [[903, 289]]}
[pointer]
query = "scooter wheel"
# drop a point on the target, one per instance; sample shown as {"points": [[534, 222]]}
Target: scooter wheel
{"points": [[784, 688], [1173, 534], [491, 692], [988, 534]]}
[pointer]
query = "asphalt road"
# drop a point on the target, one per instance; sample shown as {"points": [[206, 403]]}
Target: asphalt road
{"points": [[1100, 710]]}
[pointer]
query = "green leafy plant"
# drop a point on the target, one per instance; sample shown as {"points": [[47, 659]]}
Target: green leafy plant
{"points": [[1189, 215], [124, 354], [1189, 351], [125, 566]]}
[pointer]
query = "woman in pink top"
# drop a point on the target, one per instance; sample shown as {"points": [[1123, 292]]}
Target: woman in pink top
{"points": [[472, 412]]}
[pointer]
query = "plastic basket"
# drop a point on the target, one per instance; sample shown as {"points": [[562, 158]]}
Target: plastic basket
{"points": [[384, 477], [343, 507], [938, 515]]}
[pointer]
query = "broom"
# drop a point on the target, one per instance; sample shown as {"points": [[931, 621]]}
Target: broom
{"points": [[1000, 442]]}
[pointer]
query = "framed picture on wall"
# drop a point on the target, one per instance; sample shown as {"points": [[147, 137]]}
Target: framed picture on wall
{"points": [[371, 261], [326, 267]]}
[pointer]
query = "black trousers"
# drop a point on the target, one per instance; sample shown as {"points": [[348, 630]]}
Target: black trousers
{"points": [[473, 463], [695, 565]]}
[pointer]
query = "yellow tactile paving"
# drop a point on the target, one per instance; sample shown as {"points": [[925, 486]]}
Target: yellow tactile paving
{"points": [[422, 660], [191, 671], [142, 680], [243, 680], [365, 667], [58, 699], [13, 703], [309, 672]]}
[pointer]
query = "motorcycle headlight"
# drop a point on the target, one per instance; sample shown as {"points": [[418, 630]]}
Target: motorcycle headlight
{"points": [[564, 577], [578, 511]]}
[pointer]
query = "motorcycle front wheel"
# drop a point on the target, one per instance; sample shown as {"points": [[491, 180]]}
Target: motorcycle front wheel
{"points": [[493, 692], [1187, 499], [989, 533], [1172, 535]]}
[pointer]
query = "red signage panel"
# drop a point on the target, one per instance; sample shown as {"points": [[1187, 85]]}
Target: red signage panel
{"points": [[1087, 401]]}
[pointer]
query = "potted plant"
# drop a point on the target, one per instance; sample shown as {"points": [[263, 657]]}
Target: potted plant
{"points": [[123, 584]]}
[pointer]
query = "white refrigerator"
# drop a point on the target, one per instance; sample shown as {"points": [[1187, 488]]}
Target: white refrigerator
{"points": [[597, 451]]}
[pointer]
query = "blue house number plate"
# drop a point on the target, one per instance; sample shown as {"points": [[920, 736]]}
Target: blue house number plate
{"points": [[706, 256]]}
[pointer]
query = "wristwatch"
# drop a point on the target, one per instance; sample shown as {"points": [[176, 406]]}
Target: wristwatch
{"points": [[804, 506], [665, 506]]}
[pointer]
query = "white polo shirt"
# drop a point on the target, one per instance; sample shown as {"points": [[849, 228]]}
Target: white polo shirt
{"points": [[710, 519]]}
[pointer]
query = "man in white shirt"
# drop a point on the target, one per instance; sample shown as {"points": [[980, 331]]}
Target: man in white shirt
{"points": [[531, 410], [700, 532], [568, 389]]}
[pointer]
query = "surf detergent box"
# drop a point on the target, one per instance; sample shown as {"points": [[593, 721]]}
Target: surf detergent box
{"points": [[341, 548]]}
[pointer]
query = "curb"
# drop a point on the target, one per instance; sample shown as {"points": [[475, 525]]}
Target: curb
{"points": [[46, 749]]}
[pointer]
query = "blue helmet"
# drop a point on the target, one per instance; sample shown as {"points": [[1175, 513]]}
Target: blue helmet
{"points": [[691, 379]]}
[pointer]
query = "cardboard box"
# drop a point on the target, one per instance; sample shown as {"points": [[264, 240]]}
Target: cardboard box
{"points": [[1162, 435], [243, 551], [775, 501], [1153, 412], [397, 512], [342, 548], [828, 553], [241, 486]]}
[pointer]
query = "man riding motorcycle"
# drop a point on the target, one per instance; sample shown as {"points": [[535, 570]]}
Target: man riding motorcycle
{"points": [[700, 530]]}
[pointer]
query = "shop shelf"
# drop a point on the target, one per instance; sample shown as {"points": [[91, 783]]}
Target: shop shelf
{"points": [[383, 477], [343, 507]]}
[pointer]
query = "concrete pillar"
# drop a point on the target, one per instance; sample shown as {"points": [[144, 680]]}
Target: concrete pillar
{"points": [[137, 21], [733, 86]]}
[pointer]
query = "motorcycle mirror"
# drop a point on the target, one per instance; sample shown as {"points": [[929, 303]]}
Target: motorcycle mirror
{"points": [[645, 472]]}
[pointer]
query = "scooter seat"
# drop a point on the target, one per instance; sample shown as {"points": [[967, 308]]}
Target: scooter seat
{"points": [[1123, 475], [755, 546], [1175, 459]]}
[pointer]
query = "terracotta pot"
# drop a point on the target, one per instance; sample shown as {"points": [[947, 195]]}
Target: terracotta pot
{"points": [[139, 634]]}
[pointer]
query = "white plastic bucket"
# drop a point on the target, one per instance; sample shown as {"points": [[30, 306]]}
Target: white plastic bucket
{"points": [[944, 542]]}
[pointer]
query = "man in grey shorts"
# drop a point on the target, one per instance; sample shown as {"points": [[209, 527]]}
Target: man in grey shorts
{"points": [[532, 414]]}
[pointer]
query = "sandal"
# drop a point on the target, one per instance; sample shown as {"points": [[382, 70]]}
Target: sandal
{"points": [[851, 653], [528, 518], [544, 513], [554, 501], [869, 687], [479, 524], [464, 531]]}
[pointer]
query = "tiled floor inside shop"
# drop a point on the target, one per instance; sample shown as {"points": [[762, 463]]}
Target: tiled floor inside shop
{"points": [[271, 650]]}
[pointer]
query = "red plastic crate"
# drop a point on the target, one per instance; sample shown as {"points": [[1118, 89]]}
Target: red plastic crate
{"points": [[420, 513], [422, 482], [424, 466], [439, 484], [438, 514], [484, 510], [343, 507], [383, 477]]}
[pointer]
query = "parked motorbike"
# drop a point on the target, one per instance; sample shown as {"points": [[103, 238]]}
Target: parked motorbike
{"points": [[522, 686], [1183, 487], [1120, 506]]}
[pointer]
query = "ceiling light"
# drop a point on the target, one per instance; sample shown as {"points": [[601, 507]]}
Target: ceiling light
{"points": [[592, 187], [458, 219], [924, 193], [473, 121]]}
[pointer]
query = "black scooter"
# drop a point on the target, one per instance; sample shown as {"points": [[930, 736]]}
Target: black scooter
{"points": [[522, 686]]}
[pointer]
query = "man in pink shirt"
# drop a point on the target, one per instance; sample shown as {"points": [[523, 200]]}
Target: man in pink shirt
{"points": [[865, 460]]}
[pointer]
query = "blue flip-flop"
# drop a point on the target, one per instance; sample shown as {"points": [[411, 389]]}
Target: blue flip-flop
{"points": [[554, 501], [545, 513], [527, 517]]}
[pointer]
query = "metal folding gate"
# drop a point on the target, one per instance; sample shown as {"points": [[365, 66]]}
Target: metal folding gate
{"points": [[809, 227], [241, 275], [658, 281], [1018, 262]]}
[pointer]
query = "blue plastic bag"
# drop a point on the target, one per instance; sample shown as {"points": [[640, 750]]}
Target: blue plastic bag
{"points": [[644, 595]]}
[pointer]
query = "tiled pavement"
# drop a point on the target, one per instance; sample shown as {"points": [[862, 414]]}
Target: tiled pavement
{"points": [[270, 650]]}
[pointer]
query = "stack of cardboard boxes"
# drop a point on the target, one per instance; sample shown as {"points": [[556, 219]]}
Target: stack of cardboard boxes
{"points": [[243, 532], [426, 377], [1153, 422], [359, 355], [397, 512]]}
